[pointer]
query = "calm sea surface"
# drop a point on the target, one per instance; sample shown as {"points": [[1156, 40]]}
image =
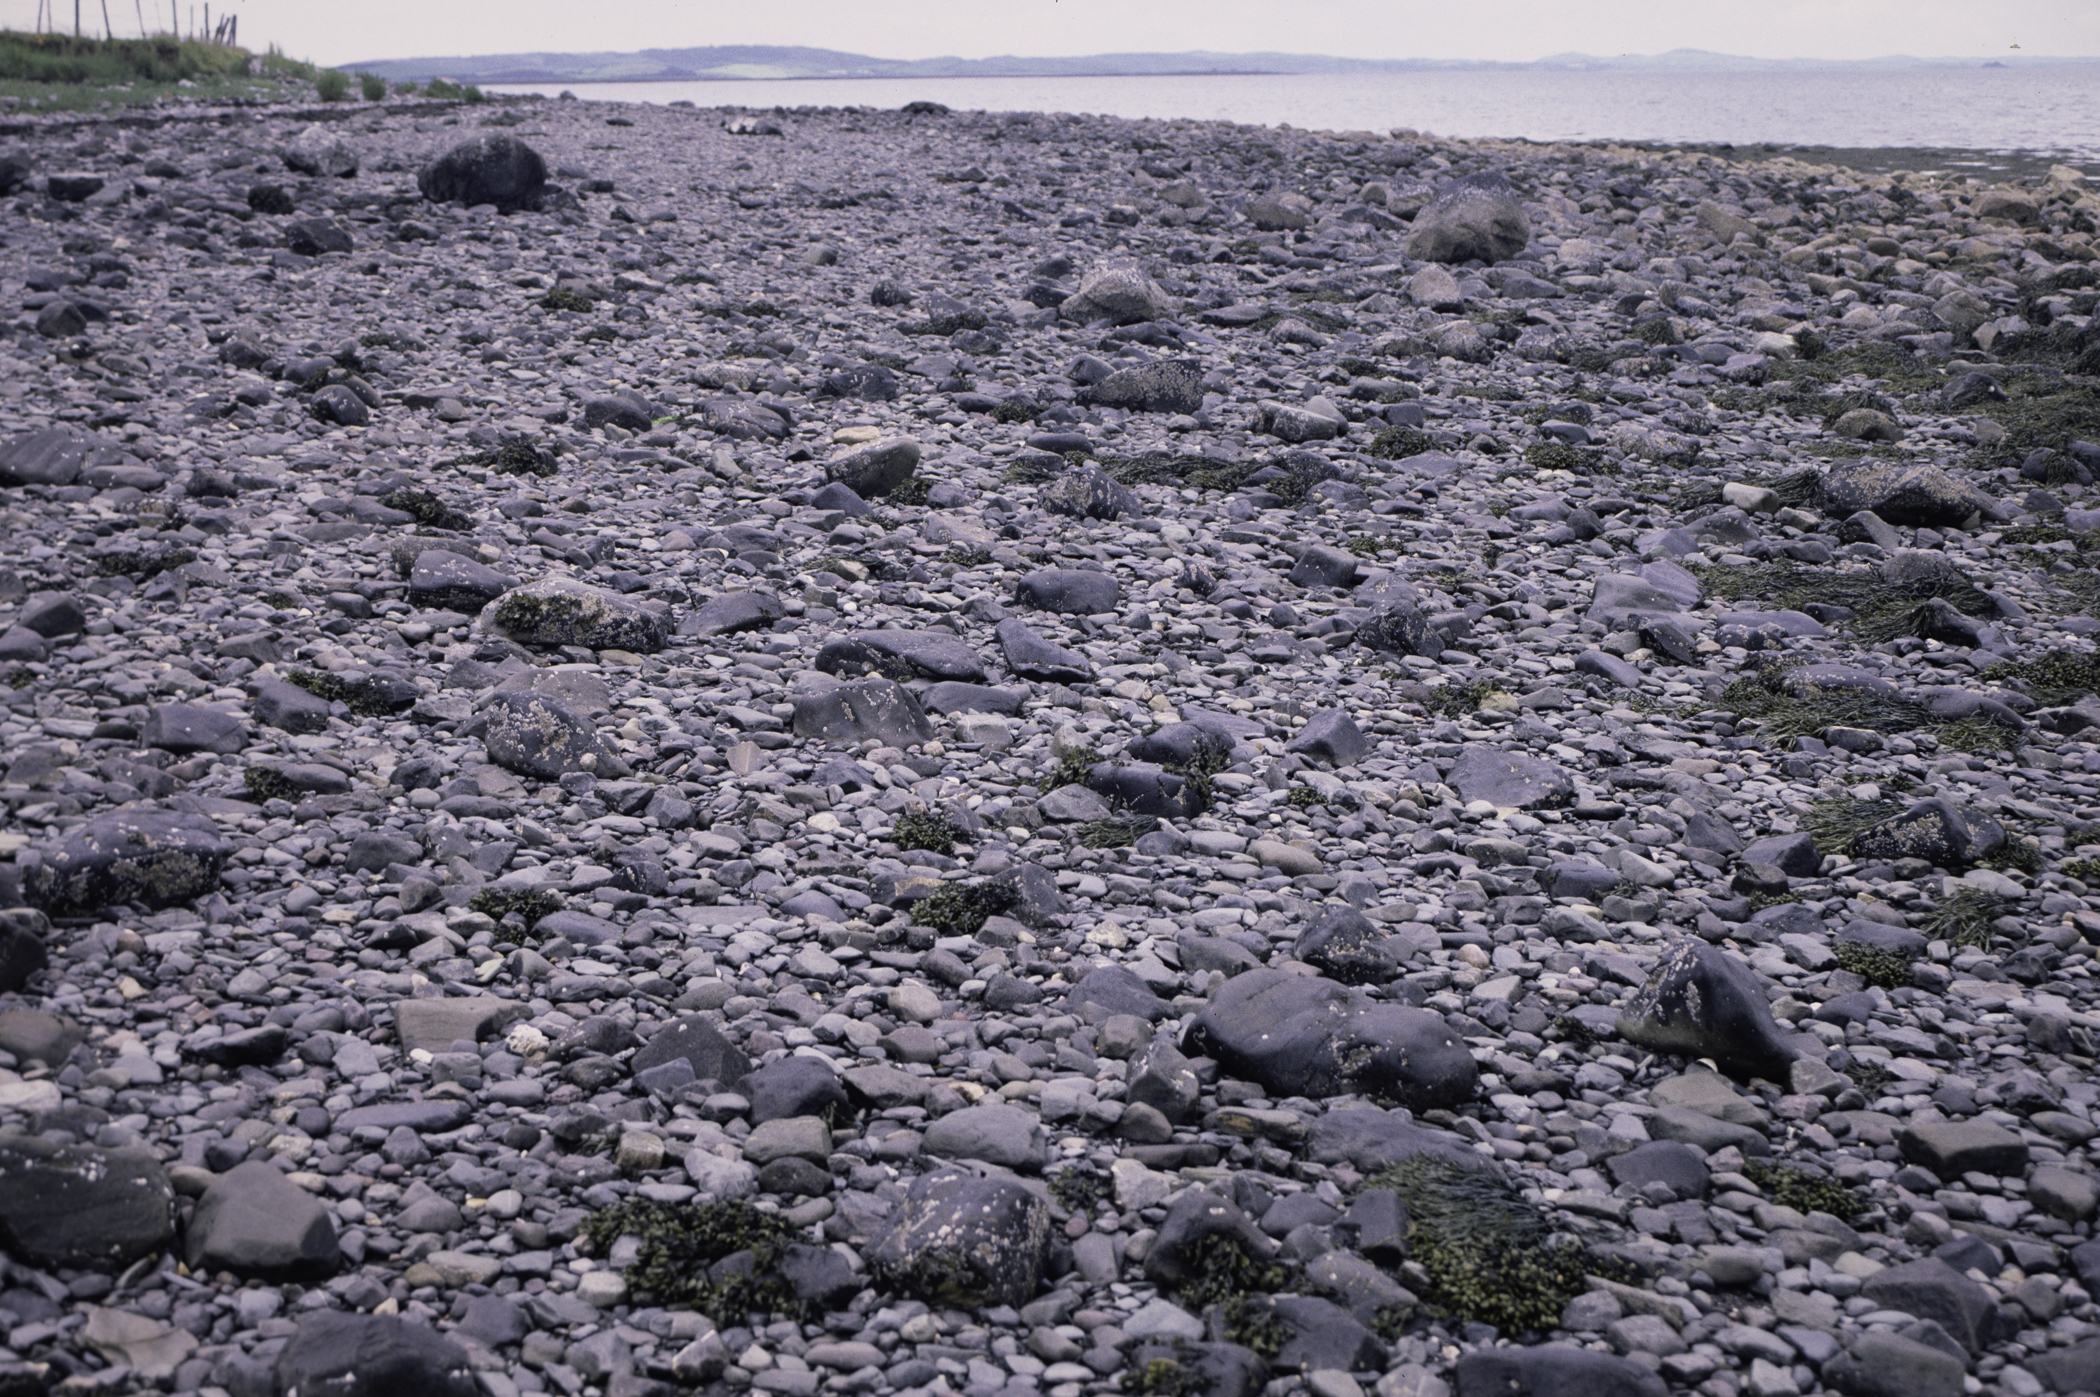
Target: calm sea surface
{"points": [[1981, 109]]}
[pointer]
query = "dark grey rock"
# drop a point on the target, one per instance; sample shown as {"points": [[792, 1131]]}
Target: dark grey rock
{"points": [[1163, 1079], [1031, 656], [1399, 628], [1164, 385], [289, 708], [1670, 1162], [902, 655], [1795, 855], [1906, 494], [1107, 990], [877, 468], [449, 582], [1935, 830], [187, 727], [793, 1086], [1321, 566], [1331, 736], [22, 950], [623, 407], [694, 1039], [559, 610], [1509, 779], [1144, 789], [1951, 1149], [1089, 492], [53, 614], [1931, 1289], [1552, 1370], [1198, 1215], [53, 456], [1345, 945], [1371, 1140], [734, 612], [1477, 216]]}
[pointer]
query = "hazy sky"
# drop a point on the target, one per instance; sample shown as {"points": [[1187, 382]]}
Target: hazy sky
{"points": [[1508, 29]]}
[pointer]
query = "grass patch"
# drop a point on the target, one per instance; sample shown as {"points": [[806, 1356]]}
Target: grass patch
{"points": [[1373, 545], [960, 909], [430, 511], [2058, 678], [683, 1250], [1114, 833], [925, 829], [1965, 918], [1889, 969], [1805, 1190], [1493, 1256], [61, 58]]}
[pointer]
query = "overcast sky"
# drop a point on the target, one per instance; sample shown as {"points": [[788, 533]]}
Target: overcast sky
{"points": [[1507, 29]]}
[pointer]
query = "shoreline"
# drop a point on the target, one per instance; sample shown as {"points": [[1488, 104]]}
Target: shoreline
{"points": [[984, 746]]}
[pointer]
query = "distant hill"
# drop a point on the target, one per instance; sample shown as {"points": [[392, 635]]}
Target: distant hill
{"points": [[750, 61]]}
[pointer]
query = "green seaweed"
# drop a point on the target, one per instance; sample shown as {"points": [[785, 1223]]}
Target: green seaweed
{"points": [[430, 511], [1804, 1190], [530, 904], [1493, 1256], [960, 909], [1073, 766], [682, 1246], [1835, 824], [267, 783], [1114, 833], [1218, 1268], [925, 829], [1399, 443], [1880, 610], [1559, 456], [566, 298], [2058, 678], [1889, 969], [1965, 918]]}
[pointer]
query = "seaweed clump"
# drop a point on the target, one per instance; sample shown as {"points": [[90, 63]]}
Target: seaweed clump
{"points": [[2057, 678], [1114, 832], [1167, 1377], [1880, 610], [267, 783], [529, 904], [1399, 443], [368, 696], [515, 456], [1835, 824], [1889, 969], [925, 829], [1219, 1270], [720, 1258], [1785, 713], [430, 511], [1493, 1257], [960, 909], [1965, 918], [1072, 768], [1804, 1190]]}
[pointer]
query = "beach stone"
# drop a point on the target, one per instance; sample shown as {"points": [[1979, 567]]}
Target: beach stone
{"points": [[1911, 495], [289, 708], [2065, 1370], [1345, 945], [962, 1240], [1331, 736], [1935, 830], [50, 456], [1931, 1289], [1702, 1001], [1089, 492], [434, 1025], [1120, 293], [559, 610], [1399, 628], [37, 1034], [253, 1221], [1164, 385], [23, 953], [81, 1207], [1680, 1166], [901, 655], [695, 1040], [185, 728], [155, 857], [322, 152], [1953, 1148], [1475, 217], [1309, 1037], [793, 1086], [446, 581], [1031, 656]]}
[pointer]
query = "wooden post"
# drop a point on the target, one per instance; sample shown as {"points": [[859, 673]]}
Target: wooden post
{"points": [[140, 6], [107, 32], [76, 18]]}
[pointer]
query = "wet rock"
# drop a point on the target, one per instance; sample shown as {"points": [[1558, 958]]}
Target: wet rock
{"points": [[863, 709], [1305, 1037], [1089, 493], [1552, 1370], [321, 152], [1935, 830], [1069, 591], [1004, 1135], [1931, 1289], [1514, 780], [1916, 495], [1702, 1001]]}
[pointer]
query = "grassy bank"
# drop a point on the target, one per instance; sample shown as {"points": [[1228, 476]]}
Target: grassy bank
{"points": [[56, 72]]}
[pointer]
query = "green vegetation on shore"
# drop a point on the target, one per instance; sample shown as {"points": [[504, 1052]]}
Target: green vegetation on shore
{"points": [[57, 72]]}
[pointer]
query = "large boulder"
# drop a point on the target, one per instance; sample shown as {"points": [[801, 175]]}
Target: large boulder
{"points": [[255, 1222], [559, 610], [334, 1354], [1343, 944], [1914, 494], [53, 456], [22, 950], [1935, 830], [156, 857], [539, 736], [1701, 1001], [80, 1207], [450, 582], [1031, 656], [1553, 1370], [1400, 628], [962, 1240], [1301, 1036], [497, 169], [1478, 217], [928, 654], [1089, 493], [1069, 591], [184, 728]]}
